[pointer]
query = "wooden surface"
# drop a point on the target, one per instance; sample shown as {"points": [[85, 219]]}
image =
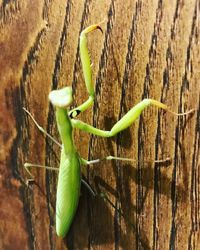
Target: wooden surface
{"points": [[148, 49]]}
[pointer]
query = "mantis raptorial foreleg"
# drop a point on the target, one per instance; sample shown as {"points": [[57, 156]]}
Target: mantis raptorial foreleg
{"points": [[125, 121], [86, 65]]}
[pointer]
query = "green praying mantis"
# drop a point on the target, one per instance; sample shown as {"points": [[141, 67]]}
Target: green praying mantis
{"points": [[69, 179]]}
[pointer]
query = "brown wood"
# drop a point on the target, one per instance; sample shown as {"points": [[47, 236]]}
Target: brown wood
{"points": [[148, 49]]}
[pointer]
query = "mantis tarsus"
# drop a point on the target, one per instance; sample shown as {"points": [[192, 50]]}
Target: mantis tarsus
{"points": [[69, 180]]}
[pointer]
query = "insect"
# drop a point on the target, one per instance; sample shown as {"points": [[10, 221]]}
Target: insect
{"points": [[69, 179]]}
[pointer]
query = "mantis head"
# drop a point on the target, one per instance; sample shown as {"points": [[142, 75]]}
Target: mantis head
{"points": [[61, 98]]}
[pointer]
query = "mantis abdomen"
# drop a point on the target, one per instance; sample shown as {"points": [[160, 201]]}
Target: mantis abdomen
{"points": [[68, 191]]}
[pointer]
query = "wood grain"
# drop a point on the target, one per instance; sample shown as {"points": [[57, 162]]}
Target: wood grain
{"points": [[148, 49]]}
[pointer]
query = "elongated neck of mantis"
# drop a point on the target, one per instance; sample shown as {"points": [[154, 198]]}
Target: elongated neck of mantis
{"points": [[65, 129]]}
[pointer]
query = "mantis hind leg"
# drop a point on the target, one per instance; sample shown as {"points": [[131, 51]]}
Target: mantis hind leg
{"points": [[98, 193]]}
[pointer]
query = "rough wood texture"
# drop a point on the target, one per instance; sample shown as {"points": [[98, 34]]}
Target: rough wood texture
{"points": [[148, 49]]}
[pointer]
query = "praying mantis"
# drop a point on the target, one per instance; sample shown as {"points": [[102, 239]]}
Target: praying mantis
{"points": [[69, 179]]}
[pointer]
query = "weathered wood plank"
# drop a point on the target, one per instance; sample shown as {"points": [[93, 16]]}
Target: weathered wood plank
{"points": [[148, 49]]}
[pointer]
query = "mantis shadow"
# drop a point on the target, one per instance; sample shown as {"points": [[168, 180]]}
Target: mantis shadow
{"points": [[99, 212]]}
